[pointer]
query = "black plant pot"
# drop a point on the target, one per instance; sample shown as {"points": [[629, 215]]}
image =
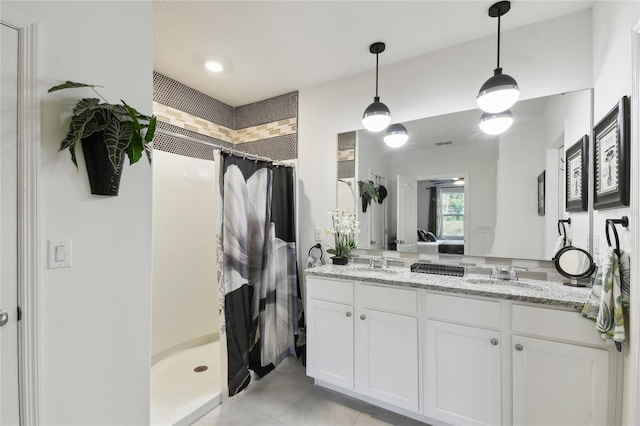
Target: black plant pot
{"points": [[103, 178], [339, 260]]}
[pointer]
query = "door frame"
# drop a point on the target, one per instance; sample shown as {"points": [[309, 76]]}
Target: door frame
{"points": [[633, 390], [28, 217]]}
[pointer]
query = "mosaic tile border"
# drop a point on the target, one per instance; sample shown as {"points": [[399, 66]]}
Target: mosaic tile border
{"points": [[181, 119], [187, 121], [265, 131]]}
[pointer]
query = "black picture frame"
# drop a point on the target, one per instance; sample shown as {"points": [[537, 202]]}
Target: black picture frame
{"points": [[541, 191], [611, 158], [576, 194]]}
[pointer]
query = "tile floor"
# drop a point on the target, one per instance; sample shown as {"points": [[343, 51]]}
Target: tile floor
{"points": [[286, 396]]}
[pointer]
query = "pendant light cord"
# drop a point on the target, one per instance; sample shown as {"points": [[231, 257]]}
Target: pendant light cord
{"points": [[377, 75], [498, 42]]}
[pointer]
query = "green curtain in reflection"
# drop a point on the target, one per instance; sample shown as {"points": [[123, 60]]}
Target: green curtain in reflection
{"points": [[432, 223]]}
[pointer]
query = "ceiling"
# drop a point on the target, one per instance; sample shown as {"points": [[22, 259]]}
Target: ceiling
{"points": [[270, 48]]}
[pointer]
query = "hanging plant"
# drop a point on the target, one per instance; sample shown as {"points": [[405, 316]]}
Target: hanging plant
{"points": [[368, 192], [108, 132]]}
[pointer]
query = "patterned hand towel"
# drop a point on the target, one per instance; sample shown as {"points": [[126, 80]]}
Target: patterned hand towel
{"points": [[561, 243], [609, 299]]}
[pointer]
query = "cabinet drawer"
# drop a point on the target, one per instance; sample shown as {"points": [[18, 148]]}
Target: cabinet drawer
{"points": [[330, 290], [388, 299], [554, 323], [462, 310]]}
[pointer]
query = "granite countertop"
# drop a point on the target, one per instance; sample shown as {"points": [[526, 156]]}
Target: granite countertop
{"points": [[551, 293]]}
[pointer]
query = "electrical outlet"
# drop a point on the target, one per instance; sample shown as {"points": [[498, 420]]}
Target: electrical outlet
{"points": [[319, 234]]}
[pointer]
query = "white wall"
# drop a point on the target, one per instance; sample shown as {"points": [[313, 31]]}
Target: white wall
{"points": [[372, 158], [612, 25], [545, 58], [185, 296], [479, 162], [95, 316]]}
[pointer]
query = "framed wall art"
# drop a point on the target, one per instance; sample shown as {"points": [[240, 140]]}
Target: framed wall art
{"points": [[541, 194], [576, 171], [611, 158]]}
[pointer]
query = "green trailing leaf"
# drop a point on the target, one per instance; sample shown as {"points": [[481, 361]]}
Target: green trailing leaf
{"points": [[135, 148], [117, 139], [151, 130], [70, 85]]}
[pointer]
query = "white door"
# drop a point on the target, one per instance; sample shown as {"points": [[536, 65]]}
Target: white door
{"points": [[462, 374], [377, 218], [559, 384], [330, 342], [407, 214], [9, 412], [387, 357]]}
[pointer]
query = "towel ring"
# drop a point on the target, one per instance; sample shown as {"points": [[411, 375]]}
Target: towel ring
{"points": [[315, 252], [562, 231], [611, 223]]}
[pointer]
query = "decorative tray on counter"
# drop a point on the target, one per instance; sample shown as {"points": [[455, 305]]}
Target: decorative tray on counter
{"points": [[432, 268]]}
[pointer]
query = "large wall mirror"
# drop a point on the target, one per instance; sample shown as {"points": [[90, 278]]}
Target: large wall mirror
{"points": [[467, 192]]}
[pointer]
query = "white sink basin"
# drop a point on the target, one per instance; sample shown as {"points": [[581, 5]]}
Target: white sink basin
{"points": [[372, 269], [505, 283]]}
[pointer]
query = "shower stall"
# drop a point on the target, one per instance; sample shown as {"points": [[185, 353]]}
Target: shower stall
{"points": [[186, 367]]}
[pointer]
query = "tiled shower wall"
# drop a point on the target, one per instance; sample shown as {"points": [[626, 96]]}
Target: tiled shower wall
{"points": [[267, 128]]}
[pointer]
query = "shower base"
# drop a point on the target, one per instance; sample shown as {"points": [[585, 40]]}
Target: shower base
{"points": [[179, 395]]}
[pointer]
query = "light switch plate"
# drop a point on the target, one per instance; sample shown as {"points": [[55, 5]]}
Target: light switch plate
{"points": [[319, 234], [59, 254]]}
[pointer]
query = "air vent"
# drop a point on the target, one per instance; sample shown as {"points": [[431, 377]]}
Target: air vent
{"points": [[444, 143], [432, 268]]}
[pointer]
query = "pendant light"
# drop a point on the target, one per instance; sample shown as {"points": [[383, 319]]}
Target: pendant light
{"points": [[496, 123], [396, 135], [376, 117], [501, 91]]}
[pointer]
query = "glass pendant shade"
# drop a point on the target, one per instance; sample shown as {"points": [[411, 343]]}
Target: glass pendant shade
{"points": [[376, 117], [499, 93], [396, 136], [495, 124]]}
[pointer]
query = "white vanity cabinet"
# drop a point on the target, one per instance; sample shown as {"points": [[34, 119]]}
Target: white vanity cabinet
{"points": [[376, 332], [458, 359], [386, 350], [559, 382], [462, 362], [330, 336]]}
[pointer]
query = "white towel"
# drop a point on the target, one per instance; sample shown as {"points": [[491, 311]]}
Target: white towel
{"points": [[561, 243], [609, 300]]}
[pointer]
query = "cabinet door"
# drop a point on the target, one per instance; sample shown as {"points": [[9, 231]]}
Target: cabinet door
{"points": [[558, 384], [387, 357], [330, 342], [462, 374]]}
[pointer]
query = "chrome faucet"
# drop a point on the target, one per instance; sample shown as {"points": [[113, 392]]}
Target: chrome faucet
{"points": [[505, 273], [378, 262]]}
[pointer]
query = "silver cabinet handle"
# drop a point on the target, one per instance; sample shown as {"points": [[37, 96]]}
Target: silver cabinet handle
{"points": [[494, 342], [4, 317], [372, 242], [519, 347], [348, 314], [362, 317]]}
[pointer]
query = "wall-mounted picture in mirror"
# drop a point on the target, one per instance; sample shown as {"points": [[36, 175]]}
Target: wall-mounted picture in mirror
{"points": [[611, 158], [541, 194], [576, 176]]}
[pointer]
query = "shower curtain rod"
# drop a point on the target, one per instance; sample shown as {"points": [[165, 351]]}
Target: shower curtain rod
{"points": [[223, 148]]}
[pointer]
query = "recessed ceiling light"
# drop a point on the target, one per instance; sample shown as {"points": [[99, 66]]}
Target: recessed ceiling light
{"points": [[213, 66]]}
